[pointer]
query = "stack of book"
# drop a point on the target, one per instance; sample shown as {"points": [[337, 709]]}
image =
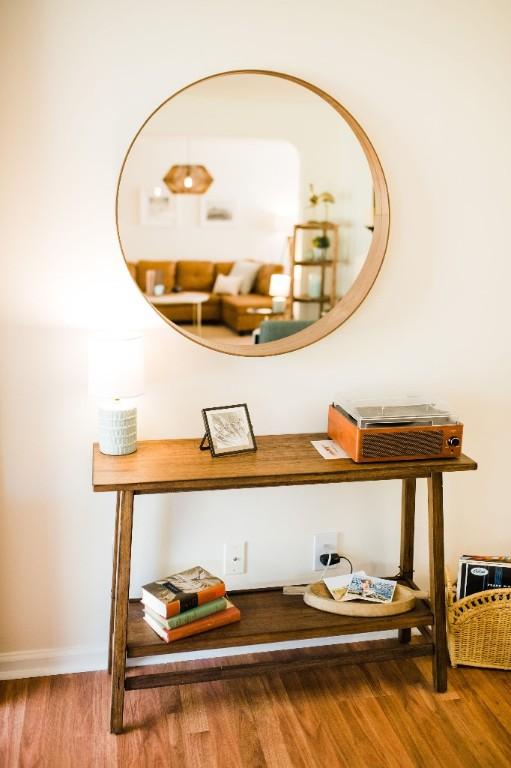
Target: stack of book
{"points": [[187, 603]]}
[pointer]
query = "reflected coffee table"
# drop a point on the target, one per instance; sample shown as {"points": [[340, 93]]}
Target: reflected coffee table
{"points": [[265, 312], [195, 299]]}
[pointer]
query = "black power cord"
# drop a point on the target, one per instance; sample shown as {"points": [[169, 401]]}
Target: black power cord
{"points": [[334, 559]]}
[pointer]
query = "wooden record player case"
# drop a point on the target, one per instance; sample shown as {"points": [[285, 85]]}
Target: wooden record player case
{"points": [[394, 443]]}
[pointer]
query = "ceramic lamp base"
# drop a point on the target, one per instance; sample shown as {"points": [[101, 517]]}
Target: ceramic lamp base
{"points": [[278, 304], [117, 430]]}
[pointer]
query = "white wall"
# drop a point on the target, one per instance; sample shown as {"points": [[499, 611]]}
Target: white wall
{"points": [[430, 84]]}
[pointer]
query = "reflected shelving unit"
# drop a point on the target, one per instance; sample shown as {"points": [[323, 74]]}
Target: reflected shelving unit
{"points": [[322, 268]]}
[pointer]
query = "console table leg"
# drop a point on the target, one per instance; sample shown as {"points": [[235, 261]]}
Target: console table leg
{"points": [[114, 579], [121, 611], [437, 579], [407, 540]]}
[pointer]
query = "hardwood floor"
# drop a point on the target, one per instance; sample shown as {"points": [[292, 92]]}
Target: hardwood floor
{"points": [[379, 714]]}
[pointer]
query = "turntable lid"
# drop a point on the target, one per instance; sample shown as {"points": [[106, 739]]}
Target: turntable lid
{"points": [[409, 409]]}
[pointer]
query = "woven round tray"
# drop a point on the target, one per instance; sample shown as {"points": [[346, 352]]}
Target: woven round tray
{"points": [[317, 596]]}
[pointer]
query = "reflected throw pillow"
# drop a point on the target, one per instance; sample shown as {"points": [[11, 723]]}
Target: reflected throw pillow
{"points": [[227, 284], [247, 270]]}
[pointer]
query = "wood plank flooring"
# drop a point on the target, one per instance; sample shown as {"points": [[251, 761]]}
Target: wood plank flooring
{"points": [[378, 714]]}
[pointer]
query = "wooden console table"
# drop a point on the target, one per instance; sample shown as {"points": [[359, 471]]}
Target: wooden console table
{"points": [[169, 466]]}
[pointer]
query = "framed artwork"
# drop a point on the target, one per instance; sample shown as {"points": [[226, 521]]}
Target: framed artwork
{"points": [[228, 430], [158, 208], [218, 214]]}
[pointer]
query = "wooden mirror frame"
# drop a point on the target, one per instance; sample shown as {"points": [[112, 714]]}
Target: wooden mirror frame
{"points": [[374, 259]]}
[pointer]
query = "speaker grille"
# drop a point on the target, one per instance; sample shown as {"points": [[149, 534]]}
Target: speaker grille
{"points": [[402, 444]]}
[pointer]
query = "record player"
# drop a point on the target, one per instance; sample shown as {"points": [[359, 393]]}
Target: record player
{"points": [[394, 429]]}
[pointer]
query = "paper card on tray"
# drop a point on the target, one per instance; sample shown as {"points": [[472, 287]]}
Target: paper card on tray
{"points": [[337, 585], [364, 587]]}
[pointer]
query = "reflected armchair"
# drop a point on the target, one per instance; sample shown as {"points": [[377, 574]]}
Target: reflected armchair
{"points": [[271, 330]]}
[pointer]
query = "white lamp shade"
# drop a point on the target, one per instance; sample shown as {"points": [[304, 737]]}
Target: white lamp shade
{"points": [[279, 285], [116, 365]]}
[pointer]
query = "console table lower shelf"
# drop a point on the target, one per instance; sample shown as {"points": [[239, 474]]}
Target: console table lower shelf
{"points": [[269, 616]]}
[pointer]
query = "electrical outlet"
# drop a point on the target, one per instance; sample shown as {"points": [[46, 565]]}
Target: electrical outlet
{"points": [[323, 543], [234, 558]]}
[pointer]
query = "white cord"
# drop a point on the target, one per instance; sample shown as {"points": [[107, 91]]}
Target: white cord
{"points": [[300, 589], [326, 567], [328, 563]]}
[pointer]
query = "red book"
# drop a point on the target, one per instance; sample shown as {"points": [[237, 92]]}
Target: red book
{"points": [[229, 616], [182, 591]]}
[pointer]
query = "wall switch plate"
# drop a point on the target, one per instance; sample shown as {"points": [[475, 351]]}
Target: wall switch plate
{"points": [[234, 558], [323, 543]]}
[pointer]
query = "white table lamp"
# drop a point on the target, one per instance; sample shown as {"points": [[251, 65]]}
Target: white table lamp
{"points": [[279, 290], [116, 376]]}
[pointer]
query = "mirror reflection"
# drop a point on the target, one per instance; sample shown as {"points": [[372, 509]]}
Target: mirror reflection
{"points": [[245, 208]]}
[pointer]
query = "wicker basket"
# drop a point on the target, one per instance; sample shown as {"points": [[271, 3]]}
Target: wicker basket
{"points": [[479, 628]]}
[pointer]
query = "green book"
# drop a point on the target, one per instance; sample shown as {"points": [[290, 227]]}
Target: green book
{"points": [[214, 606]]}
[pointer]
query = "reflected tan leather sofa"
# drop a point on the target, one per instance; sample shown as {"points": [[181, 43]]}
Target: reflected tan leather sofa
{"points": [[200, 276]]}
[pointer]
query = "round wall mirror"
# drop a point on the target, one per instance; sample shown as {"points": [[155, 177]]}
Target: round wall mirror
{"points": [[252, 212]]}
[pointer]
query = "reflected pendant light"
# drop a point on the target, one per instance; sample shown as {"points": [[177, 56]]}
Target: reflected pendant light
{"points": [[188, 179]]}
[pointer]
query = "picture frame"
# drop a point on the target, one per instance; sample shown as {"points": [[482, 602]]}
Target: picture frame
{"points": [[228, 430], [218, 213], [158, 207]]}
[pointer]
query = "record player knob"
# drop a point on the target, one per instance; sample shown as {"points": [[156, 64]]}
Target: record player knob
{"points": [[453, 442]]}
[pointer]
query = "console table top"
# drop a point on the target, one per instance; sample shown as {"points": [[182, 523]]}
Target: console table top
{"points": [[162, 466]]}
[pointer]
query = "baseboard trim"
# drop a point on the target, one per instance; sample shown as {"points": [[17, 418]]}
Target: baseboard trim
{"points": [[61, 661], [51, 661]]}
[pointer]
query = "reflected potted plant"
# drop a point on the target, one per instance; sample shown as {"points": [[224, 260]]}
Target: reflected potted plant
{"points": [[320, 246]]}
